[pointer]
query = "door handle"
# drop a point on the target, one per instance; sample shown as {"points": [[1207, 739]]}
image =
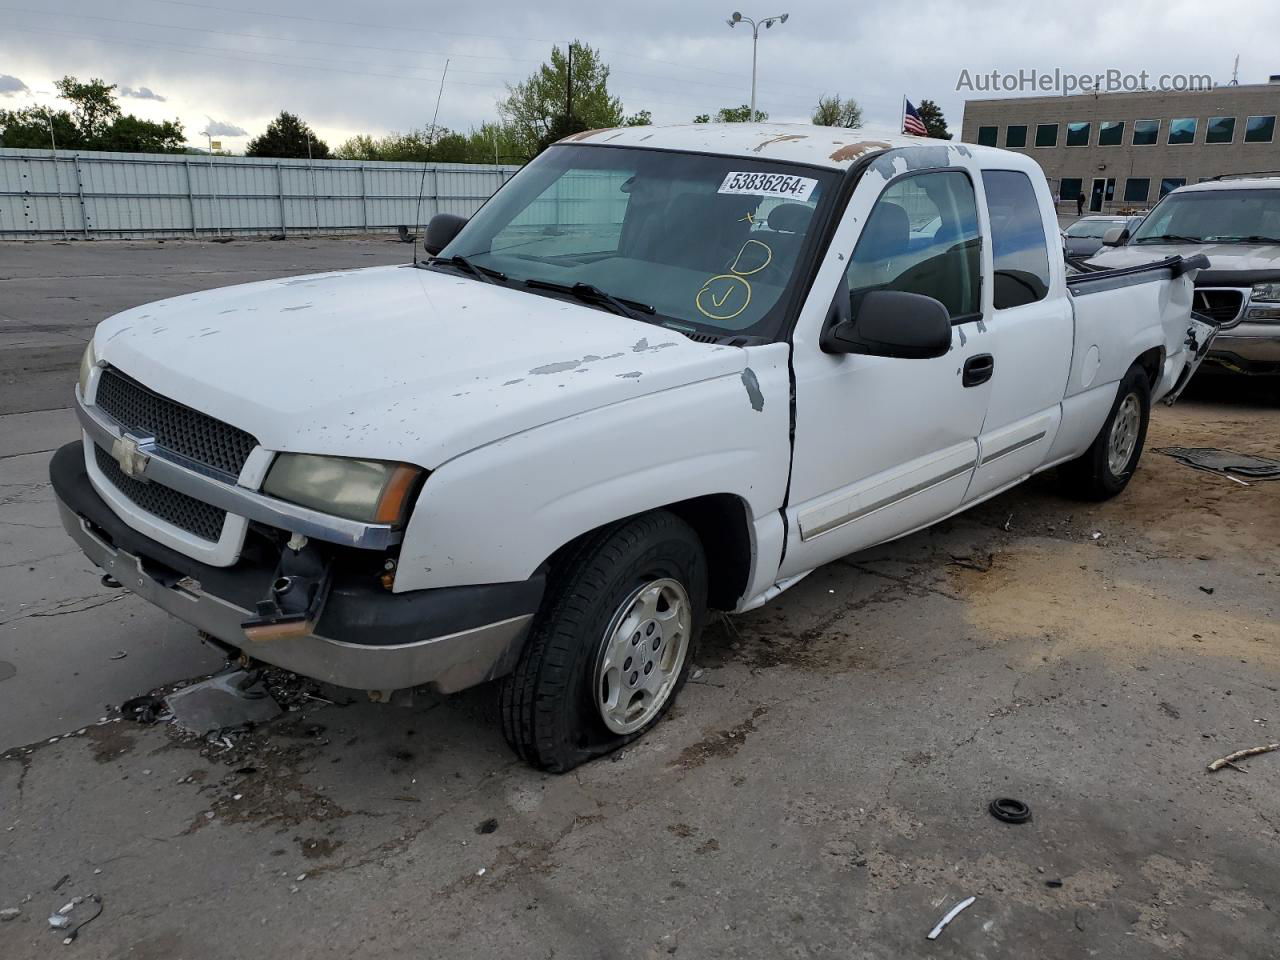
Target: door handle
{"points": [[978, 369]]}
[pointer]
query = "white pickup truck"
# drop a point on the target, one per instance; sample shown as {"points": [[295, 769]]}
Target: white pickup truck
{"points": [[662, 370]]}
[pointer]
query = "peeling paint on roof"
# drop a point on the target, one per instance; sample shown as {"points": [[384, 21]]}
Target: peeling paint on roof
{"points": [[852, 151], [780, 138]]}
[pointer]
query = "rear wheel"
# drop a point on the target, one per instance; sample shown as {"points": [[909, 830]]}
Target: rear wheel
{"points": [[1105, 468], [611, 648]]}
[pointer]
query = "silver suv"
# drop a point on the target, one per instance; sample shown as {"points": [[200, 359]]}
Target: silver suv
{"points": [[1235, 222]]}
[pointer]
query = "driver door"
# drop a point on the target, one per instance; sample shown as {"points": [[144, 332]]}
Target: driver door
{"points": [[885, 445]]}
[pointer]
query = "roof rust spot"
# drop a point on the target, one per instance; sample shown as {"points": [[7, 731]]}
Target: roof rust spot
{"points": [[855, 150], [582, 135], [780, 138]]}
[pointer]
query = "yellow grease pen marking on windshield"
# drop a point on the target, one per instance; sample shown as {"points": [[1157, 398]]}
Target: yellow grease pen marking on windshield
{"points": [[719, 302], [735, 274], [768, 258]]}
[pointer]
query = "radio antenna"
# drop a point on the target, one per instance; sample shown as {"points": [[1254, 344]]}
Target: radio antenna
{"points": [[422, 184]]}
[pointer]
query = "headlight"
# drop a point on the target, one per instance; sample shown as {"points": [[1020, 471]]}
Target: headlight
{"points": [[1266, 293], [87, 361], [371, 491]]}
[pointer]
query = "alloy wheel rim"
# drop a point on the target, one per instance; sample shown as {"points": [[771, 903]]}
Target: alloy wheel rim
{"points": [[642, 654], [1124, 434]]}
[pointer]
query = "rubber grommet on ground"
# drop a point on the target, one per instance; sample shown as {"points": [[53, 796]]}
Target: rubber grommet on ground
{"points": [[1010, 810]]}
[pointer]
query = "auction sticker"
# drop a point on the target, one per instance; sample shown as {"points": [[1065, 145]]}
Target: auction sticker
{"points": [[783, 185]]}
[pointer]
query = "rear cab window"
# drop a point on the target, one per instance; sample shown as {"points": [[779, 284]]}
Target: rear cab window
{"points": [[1019, 250]]}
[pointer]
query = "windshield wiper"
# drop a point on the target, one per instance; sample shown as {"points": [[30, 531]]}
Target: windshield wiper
{"points": [[1255, 238], [463, 263], [589, 293], [1169, 238]]}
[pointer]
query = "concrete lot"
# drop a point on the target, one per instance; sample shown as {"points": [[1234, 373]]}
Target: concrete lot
{"points": [[820, 789]]}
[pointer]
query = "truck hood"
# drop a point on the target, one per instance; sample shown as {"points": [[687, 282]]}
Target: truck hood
{"points": [[1252, 260], [396, 363]]}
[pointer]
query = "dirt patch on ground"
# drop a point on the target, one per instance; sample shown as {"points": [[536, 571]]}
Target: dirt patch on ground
{"points": [[721, 744], [1063, 591]]}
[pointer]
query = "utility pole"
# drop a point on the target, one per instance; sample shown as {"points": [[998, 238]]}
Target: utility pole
{"points": [[568, 87], [766, 22]]}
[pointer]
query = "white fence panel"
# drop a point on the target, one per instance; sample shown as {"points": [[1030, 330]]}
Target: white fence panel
{"points": [[91, 194]]}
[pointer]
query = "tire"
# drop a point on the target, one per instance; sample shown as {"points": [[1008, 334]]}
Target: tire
{"points": [[1106, 467], [569, 698]]}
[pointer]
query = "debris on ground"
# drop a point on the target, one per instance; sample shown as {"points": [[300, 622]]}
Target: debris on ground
{"points": [[488, 826], [969, 563], [1230, 759], [119, 655], [71, 918], [1009, 810], [1225, 462], [1208, 590], [951, 915], [9, 913], [225, 701], [145, 709]]}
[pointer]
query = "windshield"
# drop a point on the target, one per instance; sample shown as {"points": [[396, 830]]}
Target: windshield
{"points": [[711, 243], [1094, 229], [1214, 216]]}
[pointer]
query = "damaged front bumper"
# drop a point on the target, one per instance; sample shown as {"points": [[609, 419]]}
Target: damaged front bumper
{"points": [[366, 638]]}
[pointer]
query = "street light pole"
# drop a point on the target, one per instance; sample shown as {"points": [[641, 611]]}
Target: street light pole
{"points": [[766, 22]]}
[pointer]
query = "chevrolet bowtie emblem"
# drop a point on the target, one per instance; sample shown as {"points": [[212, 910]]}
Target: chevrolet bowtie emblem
{"points": [[125, 450]]}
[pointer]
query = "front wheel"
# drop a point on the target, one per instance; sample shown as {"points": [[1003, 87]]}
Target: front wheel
{"points": [[612, 646], [1106, 467]]}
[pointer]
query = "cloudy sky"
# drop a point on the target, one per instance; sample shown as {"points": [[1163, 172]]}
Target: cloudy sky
{"points": [[375, 66]]}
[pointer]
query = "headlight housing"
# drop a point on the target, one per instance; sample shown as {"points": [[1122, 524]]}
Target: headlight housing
{"points": [[1265, 293], [371, 491], [88, 360]]}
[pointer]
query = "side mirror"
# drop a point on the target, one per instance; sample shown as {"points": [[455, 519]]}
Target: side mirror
{"points": [[441, 230], [891, 323], [1115, 237]]}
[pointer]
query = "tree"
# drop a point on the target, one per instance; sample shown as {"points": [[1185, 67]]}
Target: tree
{"points": [[29, 128], [287, 136], [130, 134], [95, 122], [934, 121], [446, 146], [539, 110], [642, 119], [93, 104], [740, 114], [834, 112]]}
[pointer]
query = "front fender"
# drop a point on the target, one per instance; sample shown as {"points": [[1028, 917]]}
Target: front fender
{"points": [[496, 513]]}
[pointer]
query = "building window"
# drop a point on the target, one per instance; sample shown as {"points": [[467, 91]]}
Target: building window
{"points": [[1137, 189], [987, 136], [1182, 130], [1110, 133], [1015, 136], [1146, 133], [1069, 188], [1169, 184], [1259, 129], [1018, 248], [1046, 135], [1220, 130], [1077, 134]]}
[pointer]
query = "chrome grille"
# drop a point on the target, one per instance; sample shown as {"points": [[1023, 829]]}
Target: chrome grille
{"points": [[1221, 306], [177, 428], [185, 513]]}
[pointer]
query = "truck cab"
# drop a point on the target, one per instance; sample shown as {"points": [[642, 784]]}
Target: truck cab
{"points": [[663, 371]]}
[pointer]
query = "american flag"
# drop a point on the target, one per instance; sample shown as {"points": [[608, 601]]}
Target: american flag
{"points": [[911, 122]]}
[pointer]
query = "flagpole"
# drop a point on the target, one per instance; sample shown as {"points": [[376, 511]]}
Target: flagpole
{"points": [[902, 121]]}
